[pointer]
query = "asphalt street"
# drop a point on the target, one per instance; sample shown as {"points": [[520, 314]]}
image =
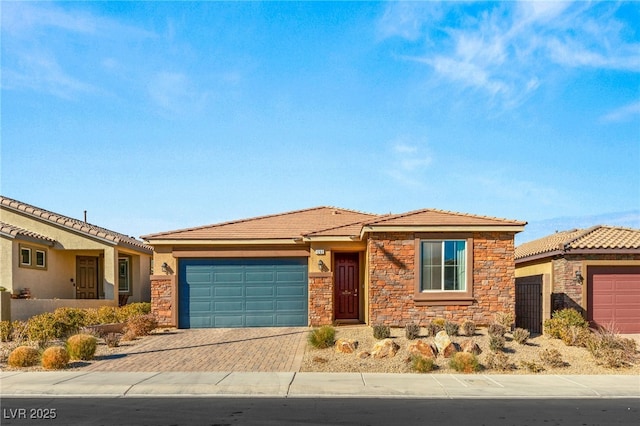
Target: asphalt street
{"points": [[219, 411]]}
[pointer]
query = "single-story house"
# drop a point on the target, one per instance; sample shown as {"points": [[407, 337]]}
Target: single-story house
{"points": [[325, 264], [594, 270], [50, 260]]}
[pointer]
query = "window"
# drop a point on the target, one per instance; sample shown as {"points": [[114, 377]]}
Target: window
{"points": [[32, 257], [123, 275], [444, 269], [41, 259], [443, 266], [25, 256]]}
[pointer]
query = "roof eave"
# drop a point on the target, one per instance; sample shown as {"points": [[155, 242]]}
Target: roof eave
{"points": [[225, 242]]}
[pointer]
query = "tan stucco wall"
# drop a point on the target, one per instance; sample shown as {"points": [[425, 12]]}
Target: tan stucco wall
{"points": [[541, 268], [55, 281]]}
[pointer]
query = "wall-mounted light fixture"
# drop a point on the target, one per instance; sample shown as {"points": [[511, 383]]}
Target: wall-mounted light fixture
{"points": [[165, 267], [579, 277], [320, 265]]}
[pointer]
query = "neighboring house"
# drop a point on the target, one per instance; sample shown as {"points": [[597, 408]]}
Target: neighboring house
{"points": [[50, 260], [594, 270], [325, 264]]}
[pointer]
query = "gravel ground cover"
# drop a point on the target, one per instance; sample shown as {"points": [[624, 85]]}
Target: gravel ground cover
{"points": [[577, 360]]}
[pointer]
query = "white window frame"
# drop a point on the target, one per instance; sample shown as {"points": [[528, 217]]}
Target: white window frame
{"points": [[126, 262], [29, 253], [443, 266]]}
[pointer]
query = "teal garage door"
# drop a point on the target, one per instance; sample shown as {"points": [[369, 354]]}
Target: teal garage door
{"points": [[242, 292]]}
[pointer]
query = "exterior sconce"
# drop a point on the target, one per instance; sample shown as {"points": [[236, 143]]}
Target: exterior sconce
{"points": [[165, 267], [579, 277], [320, 265]]}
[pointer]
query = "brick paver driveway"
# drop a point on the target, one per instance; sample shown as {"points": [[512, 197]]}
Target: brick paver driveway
{"points": [[237, 349]]}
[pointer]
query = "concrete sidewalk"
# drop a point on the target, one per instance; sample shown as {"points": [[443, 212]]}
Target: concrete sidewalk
{"points": [[303, 385]]}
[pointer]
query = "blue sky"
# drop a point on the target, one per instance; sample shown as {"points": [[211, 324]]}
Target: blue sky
{"points": [[162, 115]]}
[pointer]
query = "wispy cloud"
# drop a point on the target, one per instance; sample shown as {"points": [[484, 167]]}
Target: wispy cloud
{"points": [[174, 93], [409, 161], [503, 50], [624, 113]]}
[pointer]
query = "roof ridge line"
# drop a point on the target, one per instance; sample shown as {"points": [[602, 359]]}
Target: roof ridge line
{"points": [[584, 232], [450, 212]]}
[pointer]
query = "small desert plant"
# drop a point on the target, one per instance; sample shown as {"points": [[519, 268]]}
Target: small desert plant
{"points": [[468, 328], [552, 358], [132, 309], [422, 364], [435, 326], [558, 325], [18, 331], [496, 329], [112, 340], [505, 319], [611, 350], [498, 361], [496, 342], [464, 362], [381, 332], [451, 328], [323, 337], [55, 358], [5, 331], [412, 331], [107, 315], [575, 335], [521, 335], [71, 319], [44, 327], [23, 356], [82, 346], [141, 325], [532, 366]]}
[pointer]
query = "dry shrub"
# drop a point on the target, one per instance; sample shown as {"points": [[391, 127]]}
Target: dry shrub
{"points": [[496, 329], [422, 364], [133, 309], [610, 349], [82, 346], [451, 328], [141, 325], [5, 331], [560, 323], [412, 331], [532, 366], [468, 328], [112, 340], [107, 315], [464, 362], [55, 358], [498, 361], [521, 335], [23, 356], [552, 358], [381, 332], [323, 337], [435, 326], [505, 319], [496, 342]]}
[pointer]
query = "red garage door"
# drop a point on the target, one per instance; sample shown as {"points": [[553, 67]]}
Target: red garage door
{"points": [[614, 298]]}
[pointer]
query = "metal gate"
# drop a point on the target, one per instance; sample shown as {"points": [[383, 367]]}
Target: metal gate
{"points": [[529, 303]]}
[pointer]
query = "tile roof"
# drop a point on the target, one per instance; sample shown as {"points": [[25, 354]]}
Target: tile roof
{"points": [[598, 237], [73, 224], [322, 222], [16, 231], [435, 217], [293, 224]]}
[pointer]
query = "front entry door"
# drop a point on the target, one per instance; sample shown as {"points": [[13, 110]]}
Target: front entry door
{"points": [[347, 279], [86, 277]]}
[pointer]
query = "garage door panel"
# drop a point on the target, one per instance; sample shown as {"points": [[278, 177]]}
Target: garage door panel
{"points": [[614, 298], [243, 292], [264, 291]]}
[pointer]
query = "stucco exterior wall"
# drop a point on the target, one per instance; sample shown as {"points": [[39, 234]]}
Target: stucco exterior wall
{"points": [[392, 275]]}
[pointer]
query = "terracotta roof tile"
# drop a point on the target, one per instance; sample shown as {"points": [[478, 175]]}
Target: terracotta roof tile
{"points": [[598, 237], [293, 224], [434, 217], [73, 224], [16, 231]]}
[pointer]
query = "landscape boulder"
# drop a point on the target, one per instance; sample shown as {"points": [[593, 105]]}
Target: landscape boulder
{"points": [[346, 346], [386, 348], [471, 347], [442, 340], [422, 348]]}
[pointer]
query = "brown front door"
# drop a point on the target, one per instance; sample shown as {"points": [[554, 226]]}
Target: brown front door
{"points": [[347, 279], [86, 277]]}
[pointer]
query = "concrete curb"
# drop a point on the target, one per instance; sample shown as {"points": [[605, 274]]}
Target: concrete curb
{"points": [[316, 385]]}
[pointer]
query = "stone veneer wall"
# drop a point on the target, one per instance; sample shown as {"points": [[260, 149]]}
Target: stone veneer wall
{"points": [[392, 272], [320, 298], [163, 298], [566, 292]]}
